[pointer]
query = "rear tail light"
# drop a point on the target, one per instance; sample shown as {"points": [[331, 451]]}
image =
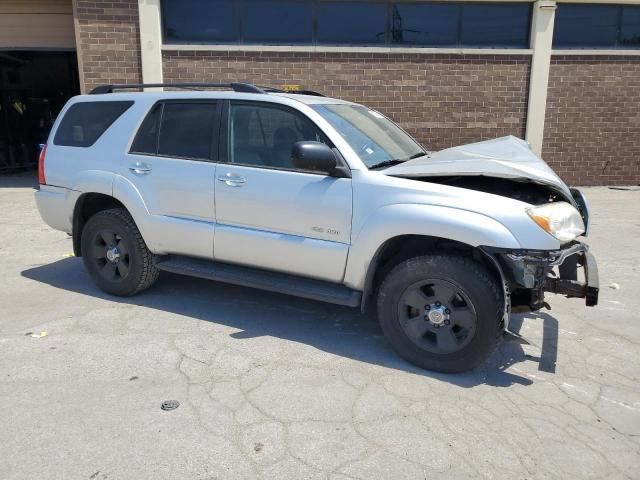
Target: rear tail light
{"points": [[41, 179]]}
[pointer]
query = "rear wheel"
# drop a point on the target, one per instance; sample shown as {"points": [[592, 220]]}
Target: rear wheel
{"points": [[115, 254], [441, 312]]}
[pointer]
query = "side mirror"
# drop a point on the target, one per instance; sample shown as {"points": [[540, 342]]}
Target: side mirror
{"points": [[313, 156]]}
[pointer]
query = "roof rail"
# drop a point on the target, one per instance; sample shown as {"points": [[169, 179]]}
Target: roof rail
{"points": [[236, 87]]}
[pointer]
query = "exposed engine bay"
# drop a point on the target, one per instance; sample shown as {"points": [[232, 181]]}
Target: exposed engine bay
{"points": [[504, 166], [524, 191]]}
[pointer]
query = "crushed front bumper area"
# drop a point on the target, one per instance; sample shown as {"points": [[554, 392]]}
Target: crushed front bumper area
{"points": [[531, 273], [568, 284]]}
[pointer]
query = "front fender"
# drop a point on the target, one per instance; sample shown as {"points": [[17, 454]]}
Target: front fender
{"points": [[391, 221]]}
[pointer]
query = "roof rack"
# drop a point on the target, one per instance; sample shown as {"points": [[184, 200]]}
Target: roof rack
{"points": [[236, 87]]}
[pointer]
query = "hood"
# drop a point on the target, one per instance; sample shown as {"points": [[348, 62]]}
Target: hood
{"points": [[505, 157]]}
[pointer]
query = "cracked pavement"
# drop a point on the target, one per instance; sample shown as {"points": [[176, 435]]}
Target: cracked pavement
{"points": [[275, 387]]}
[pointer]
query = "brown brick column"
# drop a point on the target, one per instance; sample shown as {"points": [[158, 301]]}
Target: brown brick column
{"points": [[107, 41]]}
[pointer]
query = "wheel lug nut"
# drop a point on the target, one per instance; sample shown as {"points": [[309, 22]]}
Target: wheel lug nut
{"points": [[438, 304], [447, 311], [436, 325], [447, 322], [427, 307]]}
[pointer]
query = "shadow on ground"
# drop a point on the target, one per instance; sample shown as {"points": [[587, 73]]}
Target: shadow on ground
{"points": [[338, 330], [19, 179]]}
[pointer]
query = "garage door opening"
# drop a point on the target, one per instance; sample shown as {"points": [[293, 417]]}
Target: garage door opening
{"points": [[34, 87]]}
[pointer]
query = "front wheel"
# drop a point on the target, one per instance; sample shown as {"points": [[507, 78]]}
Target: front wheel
{"points": [[441, 312], [116, 255]]}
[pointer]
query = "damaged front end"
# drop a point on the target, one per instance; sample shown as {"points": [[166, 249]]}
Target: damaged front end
{"points": [[570, 271], [507, 167]]}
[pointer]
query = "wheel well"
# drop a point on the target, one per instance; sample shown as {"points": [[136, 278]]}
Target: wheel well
{"points": [[89, 204], [398, 249]]}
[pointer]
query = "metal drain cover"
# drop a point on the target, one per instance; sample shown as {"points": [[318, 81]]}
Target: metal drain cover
{"points": [[170, 405]]}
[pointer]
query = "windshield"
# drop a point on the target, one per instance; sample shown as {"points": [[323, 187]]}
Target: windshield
{"points": [[376, 139]]}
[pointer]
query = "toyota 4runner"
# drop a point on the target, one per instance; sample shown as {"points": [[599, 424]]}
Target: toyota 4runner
{"points": [[320, 198]]}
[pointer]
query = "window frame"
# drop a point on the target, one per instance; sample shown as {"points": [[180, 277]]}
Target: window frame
{"points": [[313, 42], [214, 153], [224, 143]]}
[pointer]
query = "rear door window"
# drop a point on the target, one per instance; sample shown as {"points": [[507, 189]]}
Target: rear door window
{"points": [[186, 130], [85, 122], [179, 130], [146, 141]]}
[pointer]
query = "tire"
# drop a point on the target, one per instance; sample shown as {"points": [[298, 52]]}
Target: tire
{"points": [[456, 323], [130, 267]]}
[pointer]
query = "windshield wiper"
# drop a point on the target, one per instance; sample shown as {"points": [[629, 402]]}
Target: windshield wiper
{"points": [[387, 163], [395, 161]]}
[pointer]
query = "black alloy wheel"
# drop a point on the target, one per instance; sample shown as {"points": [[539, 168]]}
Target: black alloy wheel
{"points": [[437, 315], [442, 312], [116, 255]]}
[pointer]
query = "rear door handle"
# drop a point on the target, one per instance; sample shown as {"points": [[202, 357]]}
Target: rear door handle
{"points": [[232, 180], [140, 168]]}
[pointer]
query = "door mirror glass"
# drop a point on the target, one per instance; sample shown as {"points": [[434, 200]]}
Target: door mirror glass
{"points": [[313, 156]]}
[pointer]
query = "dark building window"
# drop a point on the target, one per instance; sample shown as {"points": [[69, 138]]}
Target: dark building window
{"points": [[597, 26], [277, 21], [425, 24], [630, 27], [352, 23], [202, 21], [486, 25], [331, 22]]}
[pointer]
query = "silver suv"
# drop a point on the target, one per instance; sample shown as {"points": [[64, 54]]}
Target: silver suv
{"points": [[320, 198]]}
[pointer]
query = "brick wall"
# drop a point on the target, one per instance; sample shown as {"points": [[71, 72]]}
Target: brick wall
{"points": [[443, 100], [108, 42], [592, 128]]}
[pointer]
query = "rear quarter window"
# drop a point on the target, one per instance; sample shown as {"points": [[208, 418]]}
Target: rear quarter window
{"points": [[85, 122]]}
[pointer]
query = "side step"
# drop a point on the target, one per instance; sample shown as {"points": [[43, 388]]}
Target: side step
{"points": [[262, 279]]}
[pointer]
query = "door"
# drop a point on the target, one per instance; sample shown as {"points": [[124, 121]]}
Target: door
{"points": [[171, 163], [269, 214]]}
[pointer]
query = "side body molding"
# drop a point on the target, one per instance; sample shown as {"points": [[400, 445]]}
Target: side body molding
{"points": [[414, 219]]}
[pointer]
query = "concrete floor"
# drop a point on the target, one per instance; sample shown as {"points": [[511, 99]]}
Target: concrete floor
{"points": [[274, 387]]}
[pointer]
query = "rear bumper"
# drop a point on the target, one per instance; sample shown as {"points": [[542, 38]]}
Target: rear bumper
{"points": [[55, 205], [555, 271]]}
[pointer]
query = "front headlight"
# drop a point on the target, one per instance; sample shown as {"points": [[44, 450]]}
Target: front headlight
{"points": [[559, 219]]}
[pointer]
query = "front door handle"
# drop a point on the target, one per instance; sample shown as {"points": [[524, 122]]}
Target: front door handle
{"points": [[232, 180], [140, 168]]}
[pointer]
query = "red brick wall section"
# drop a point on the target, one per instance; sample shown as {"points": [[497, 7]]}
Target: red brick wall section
{"points": [[108, 42], [443, 100], [592, 129]]}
